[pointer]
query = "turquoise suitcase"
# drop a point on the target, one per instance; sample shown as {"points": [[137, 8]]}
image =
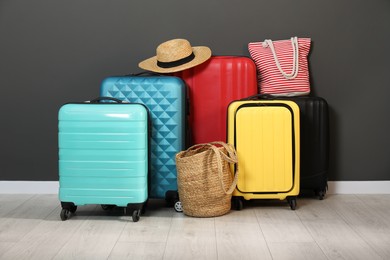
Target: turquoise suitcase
{"points": [[103, 155], [166, 98]]}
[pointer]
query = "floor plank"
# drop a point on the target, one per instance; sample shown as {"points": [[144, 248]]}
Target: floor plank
{"points": [[239, 236], [191, 238], [338, 241], [301, 251], [367, 223], [378, 204], [138, 250], [338, 227], [282, 225], [5, 247], [94, 239], [10, 202], [335, 236], [47, 238], [22, 219], [153, 226]]}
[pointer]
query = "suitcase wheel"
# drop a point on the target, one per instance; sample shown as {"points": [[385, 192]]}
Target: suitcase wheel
{"points": [[292, 201], [177, 206], [65, 214], [68, 208], [136, 215], [237, 203], [73, 209], [320, 194], [171, 196]]}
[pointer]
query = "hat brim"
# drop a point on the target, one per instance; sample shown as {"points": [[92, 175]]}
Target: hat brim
{"points": [[202, 54]]}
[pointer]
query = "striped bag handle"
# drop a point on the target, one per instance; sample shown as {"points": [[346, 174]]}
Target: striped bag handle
{"points": [[294, 72]]}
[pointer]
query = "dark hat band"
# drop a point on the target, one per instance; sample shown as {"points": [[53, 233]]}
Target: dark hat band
{"points": [[176, 63]]}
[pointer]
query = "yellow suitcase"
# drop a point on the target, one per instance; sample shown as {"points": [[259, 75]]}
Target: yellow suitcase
{"points": [[266, 136]]}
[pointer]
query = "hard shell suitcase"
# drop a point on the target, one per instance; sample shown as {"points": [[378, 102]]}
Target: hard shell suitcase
{"points": [[314, 129], [166, 98], [212, 86], [266, 137], [103, 155]]}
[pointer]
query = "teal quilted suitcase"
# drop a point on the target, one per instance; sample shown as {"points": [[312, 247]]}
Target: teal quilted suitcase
{"points": [[103, 155], [166, 98]]}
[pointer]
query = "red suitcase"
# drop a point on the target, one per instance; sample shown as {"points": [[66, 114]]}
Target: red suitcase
{"points": [[212, 86]]}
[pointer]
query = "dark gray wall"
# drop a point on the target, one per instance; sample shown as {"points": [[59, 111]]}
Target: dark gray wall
{"points": [[55, 51]]}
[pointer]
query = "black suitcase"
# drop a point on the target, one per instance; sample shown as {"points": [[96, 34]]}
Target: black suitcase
{"points": [[314, 119], [314, 147]]}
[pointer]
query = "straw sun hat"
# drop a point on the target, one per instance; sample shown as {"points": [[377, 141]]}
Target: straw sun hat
{"points": [[176, 55]]}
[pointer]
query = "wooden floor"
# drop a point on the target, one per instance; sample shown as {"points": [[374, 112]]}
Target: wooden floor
{"points": [[338, 227]]}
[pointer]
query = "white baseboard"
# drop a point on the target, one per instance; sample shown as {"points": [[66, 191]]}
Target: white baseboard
{"points": [[29, 187], [335, 187], [359, 187]]}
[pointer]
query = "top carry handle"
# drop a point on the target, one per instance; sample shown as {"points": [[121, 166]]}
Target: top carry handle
{"points": [[260, 97], [98, 99]]}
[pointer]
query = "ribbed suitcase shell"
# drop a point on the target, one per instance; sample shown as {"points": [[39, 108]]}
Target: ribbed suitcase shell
{"points": [[212, 86], [103, 154], [165, 96], [266, 137], [314, 118]]}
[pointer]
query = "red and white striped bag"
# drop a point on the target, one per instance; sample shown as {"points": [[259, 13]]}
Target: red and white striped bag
{"points": [[282, 66]]}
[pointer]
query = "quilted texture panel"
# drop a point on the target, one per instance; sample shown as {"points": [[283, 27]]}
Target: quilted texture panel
{"points": [[165, 97]]}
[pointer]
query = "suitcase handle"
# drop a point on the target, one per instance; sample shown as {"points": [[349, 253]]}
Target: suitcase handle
{"points": [[98, 99], [144, 73], [260, 96]]}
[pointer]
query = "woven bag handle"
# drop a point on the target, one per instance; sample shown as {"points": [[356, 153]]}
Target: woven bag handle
{"points": [[294, 72], [231, 158], [218, 154]]}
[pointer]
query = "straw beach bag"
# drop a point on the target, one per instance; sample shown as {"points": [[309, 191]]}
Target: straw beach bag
{"points": [[205, 181]]}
